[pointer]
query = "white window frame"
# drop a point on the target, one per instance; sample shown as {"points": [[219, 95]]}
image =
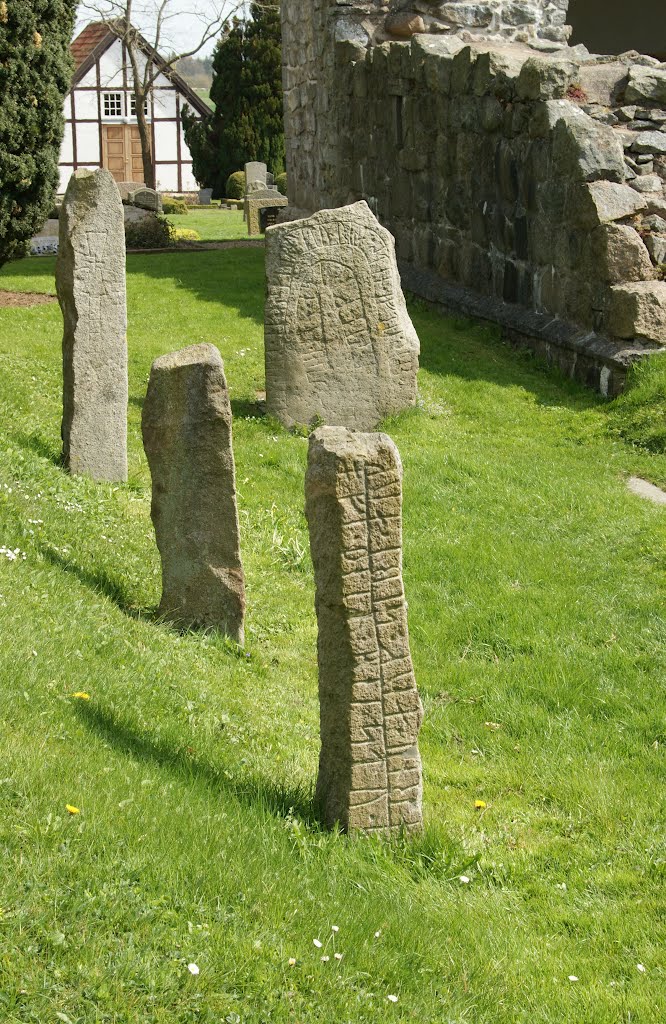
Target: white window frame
{"points": [[132, 105], [111, 100]]}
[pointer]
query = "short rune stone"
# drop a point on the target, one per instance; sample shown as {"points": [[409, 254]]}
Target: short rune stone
{"points": [[340, 346], [187, 437]]}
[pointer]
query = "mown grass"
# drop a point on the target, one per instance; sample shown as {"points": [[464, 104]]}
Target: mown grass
{"points": [[214, 225], [536, 589]]}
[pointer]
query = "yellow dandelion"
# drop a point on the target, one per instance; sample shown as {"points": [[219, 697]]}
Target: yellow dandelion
{"points": [[81, 695], [71, 809], [480, 805]]}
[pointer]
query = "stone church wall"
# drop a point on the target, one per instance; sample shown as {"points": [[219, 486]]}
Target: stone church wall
{"points": [[523, 187]]}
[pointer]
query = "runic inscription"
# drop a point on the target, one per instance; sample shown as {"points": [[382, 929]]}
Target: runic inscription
{"points": [[370, 710], [340, 345], [90, 280], [187, 437]]}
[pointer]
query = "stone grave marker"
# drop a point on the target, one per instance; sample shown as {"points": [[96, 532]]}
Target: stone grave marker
{"points": [[255, 171], [90, 281], [340, 345], [187, 437], [255, 202], [370, 710]]}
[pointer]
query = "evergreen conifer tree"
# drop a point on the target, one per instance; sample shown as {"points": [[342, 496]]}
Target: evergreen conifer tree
{"points": [[247, 92], [35, 75]]}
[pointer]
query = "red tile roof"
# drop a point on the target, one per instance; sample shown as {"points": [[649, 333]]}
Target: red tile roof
{"points": [[86, 41]]}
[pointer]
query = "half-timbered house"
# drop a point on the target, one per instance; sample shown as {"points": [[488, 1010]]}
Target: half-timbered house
{"points": [[101, 128]]}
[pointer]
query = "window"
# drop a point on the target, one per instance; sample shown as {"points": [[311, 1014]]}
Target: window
{"points": [[113, 104], [133, 106]]}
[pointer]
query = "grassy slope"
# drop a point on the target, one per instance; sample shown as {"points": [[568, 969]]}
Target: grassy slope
{"points": [[536, 590]]}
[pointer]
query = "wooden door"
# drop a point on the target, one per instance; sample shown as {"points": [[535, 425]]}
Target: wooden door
{"points": [[121, 152]]}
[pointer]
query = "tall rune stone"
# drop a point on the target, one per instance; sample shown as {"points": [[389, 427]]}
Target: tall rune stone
{"points": [[340, 345], [187, 437], [90, 281], [370, 710]]}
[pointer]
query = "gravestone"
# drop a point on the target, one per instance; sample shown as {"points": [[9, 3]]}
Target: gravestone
{"points": [[90, 281], [255, 171], [370, 710], [340, 345], [205, 196], [255, 202], [146, 199], [270, 180], [187, 437]]}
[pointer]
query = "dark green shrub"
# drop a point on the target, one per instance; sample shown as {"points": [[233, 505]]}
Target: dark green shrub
{"points": [[35, 74], [281, 182], [175, 207], [235, 187], [152, 232]]}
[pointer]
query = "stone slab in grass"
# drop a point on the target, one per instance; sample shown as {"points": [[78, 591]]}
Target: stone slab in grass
{"points": [[370, 709], [187, 437], [90, 281]]}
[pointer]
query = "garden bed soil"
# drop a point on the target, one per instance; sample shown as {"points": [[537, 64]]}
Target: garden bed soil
{"points": [[23, 300]]}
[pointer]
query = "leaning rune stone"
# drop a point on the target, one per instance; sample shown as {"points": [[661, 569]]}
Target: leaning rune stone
{"points": [[187, 437], [370, 710], [340, 345], [90, 281]]}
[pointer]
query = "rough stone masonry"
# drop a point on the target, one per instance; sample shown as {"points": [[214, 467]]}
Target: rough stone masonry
{"points": [[521, 186], [340, 345], [90, 281], [187, 437], [370, 710]]}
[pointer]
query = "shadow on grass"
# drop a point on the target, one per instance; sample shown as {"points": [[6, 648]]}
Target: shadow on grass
{"points": [[101, 582], [244, 409], [474, 351], [40, 446], [183, 762], [230, 277]]}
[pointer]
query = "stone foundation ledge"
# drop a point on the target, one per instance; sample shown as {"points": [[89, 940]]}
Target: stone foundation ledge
{"points": [[584, 356]]}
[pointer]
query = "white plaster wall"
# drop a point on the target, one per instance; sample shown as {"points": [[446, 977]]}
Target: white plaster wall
{"points": [[111, 64], [67, 149], [165, 103], [90, 78], [85, 104], [167, 177], [87, 143], [166, 141], [189, 181]]}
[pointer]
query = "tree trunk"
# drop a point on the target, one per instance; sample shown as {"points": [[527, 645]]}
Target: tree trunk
{"points": [[144, 136]]}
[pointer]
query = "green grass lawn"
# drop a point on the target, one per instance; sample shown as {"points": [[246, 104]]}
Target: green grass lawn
{"points": [[214, 225], [536, 592]]}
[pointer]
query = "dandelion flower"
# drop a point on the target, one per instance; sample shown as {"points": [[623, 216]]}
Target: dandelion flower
{"points": [[392, 999], [464, 879], [193, 969], [325, 959], [292, 961], [480, 805], [317, 943], [80, 695], [339, 956], [334, 928], [71, 809]]}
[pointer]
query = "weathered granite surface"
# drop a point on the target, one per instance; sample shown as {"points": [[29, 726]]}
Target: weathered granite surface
{"points": [[90, 281], [187, 426], [339, 343], [370, 710]]}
